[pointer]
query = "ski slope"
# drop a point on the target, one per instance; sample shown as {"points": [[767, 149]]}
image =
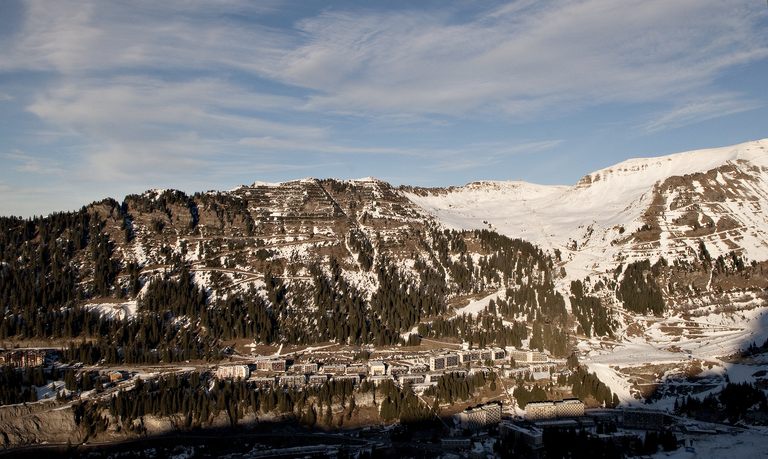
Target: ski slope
{"points": [[583, 221]]}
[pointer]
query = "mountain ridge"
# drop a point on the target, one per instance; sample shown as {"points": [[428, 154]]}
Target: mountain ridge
{"points": [[606, 203]]}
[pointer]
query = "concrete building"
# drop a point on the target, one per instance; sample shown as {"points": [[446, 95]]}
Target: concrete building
{"points": [[540, 410], [521, 356], [418, 369], [233, 371], [445, 361], [334, 369], [466, 357], [397, 370], [568, 408], [642, 419], [377, 368], [292, 380], [317, 380], [481, 355], [411, 379], [277, 365], [485, 354], [378, 378], [479, 417], [356, 369], [22, 358], [433, 377], [530, 435], [263, 381], [354, 378], [304, 368], [437, 362], [561, 425]]}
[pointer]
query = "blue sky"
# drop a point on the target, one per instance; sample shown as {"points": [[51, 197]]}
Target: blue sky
{"points": [[104, 98]]}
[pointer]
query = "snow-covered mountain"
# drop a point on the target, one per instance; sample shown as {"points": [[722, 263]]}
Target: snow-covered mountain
{"points": [[668, 258], [638, 209]]}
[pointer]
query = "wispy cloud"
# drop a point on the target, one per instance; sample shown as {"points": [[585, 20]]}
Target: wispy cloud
{"points": [[28, 163], [485, 155], [140, 106], [521, 59], [84, 36], [153, 128], [529, 58], [701, 109]]}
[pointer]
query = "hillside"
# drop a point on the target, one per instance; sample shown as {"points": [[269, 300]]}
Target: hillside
{"points": [[300, 262], [663, 257], [676, 247]]}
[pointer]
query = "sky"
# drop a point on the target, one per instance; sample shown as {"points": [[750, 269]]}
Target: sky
{"points": [[107, 98]]}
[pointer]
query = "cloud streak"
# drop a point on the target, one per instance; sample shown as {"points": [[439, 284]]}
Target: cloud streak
{"points": [[521, 59], [701, 109], [531, 59]]}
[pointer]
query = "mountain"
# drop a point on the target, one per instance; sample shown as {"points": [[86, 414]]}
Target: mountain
{"points": [[685, 235], [638, 209], [663, 257]]}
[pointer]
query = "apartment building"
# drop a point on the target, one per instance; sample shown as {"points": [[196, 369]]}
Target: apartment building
{"points": [[479, 417], [233, 372]]}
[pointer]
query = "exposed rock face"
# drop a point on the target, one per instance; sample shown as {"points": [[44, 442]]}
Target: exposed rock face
{"points": [[37, 423]]}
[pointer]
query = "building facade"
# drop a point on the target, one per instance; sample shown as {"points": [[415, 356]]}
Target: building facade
{"points": [[377, 368], [479, 417], [278, 365], [233, 371], [305, 368], [569, 408]]}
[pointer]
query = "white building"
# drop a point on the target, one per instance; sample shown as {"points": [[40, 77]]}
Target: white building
{"points": [[522, 356], [377, 368], [233, 371], [334, 369], [479, 417], [437, 362], [540, 410], [397, 370], [378, 379], [569, 408]]}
